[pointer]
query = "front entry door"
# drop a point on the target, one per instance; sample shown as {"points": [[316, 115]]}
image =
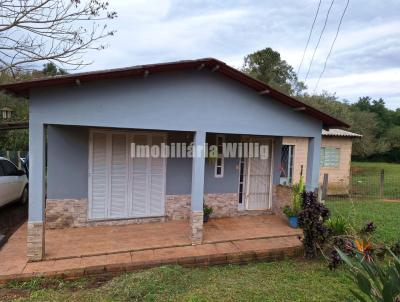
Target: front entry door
{"points": [[258, 180]]}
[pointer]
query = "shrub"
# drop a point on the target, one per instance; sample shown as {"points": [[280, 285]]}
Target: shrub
{"points": [[295, 207], [377, 281], [311, 220], [207, 210], [338, 225]]}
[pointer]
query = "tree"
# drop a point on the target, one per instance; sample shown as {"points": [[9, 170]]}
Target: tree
{"points": [[59, 31], [363, 103], [393, 137], [362, 121], [50, 69], [267, 66]]}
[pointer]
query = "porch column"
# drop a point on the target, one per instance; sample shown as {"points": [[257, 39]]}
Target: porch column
{"points": [[35, 240], [313, 163], [198, 162]]}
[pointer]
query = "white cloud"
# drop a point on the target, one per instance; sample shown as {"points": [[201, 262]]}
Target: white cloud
{"points": [[365, 59], [374, 84]]}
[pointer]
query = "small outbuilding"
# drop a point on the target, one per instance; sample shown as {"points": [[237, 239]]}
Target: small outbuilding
{"points": [[335, 160]]}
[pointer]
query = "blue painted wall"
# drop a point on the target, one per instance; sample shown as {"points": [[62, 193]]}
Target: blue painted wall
{"points": [[185, 101], [67, 161]]}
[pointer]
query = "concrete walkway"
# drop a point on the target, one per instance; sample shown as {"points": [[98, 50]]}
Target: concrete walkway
{"points": [[115, 249]]}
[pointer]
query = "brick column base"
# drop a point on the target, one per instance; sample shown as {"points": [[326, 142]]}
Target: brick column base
{"points": [[35, 250], [196, 227]]}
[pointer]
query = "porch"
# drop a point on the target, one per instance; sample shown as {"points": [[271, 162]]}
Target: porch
{"points": [[99, 182], [91, 250]]}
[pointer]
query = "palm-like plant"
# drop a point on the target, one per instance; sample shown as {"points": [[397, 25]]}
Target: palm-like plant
{"points": [[380, 283]]}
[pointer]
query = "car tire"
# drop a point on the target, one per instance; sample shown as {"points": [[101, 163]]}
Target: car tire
{"points": [[24, 196]]}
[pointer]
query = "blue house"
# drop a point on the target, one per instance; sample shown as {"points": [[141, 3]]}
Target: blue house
{"points": [[84, 128]]}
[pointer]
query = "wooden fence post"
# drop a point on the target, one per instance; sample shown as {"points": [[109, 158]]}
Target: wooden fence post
{"points": [[382, 184], [19, 159], [325, 186]]}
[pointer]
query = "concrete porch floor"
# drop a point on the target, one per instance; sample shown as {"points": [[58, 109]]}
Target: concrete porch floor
{"points": [[97, 249]]}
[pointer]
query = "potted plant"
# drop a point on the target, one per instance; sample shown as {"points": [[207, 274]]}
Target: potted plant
{"points": [[292, 211], [207, 211]]}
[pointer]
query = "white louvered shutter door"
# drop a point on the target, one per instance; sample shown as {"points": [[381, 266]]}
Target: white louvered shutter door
{"points": [[118, 176], [156, 180], [99, 176], [139, 181]]}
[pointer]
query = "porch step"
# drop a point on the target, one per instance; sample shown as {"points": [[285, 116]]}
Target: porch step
{"points": [[229, 252]]}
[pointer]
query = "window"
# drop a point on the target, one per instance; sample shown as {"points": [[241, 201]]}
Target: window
{"points": [[219, 162], [1, 169], [8, 168], [330, 157], [286, 176]]}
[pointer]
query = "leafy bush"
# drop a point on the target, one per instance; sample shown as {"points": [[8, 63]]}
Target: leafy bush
{"points": [[207, 210], [378, 282], [311, 220], [297, 191], [338, 225], [368, 228], [352, 243]]}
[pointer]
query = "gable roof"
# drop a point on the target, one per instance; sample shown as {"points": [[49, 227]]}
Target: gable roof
{"points": [[23, 87], [340, 133]]}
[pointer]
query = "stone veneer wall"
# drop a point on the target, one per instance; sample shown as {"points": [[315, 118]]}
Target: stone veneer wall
{"points": [[35, 241], [282, 196], [65, 213], [226, 205], [196, 227], [178, 207]]}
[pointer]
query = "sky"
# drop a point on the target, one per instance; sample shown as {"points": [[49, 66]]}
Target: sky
{"points": [[365, 60]]}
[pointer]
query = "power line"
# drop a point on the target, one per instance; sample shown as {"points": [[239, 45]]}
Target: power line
{"points": [[309, 36], [333, 43], [319, 39]]}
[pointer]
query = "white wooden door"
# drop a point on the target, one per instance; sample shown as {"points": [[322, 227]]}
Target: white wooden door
{"points": [[118, 207], [121, 186], [147, 177], [98, 176], [138, 175], [258, 181]]}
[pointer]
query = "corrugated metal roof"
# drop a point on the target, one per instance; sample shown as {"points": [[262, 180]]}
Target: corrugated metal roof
{"points": [[339, 132], [211, 64]]}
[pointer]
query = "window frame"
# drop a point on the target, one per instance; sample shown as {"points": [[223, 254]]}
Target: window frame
{"points": [[323, 157], [290, 163], [220, 156]]}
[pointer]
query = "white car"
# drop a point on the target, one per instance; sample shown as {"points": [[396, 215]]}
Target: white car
{"points": [[13, 183]]}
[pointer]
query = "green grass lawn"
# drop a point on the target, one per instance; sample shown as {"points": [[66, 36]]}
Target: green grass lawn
{"points": [[366, 179], [376, 167], [288, 280], [385, 215]]}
